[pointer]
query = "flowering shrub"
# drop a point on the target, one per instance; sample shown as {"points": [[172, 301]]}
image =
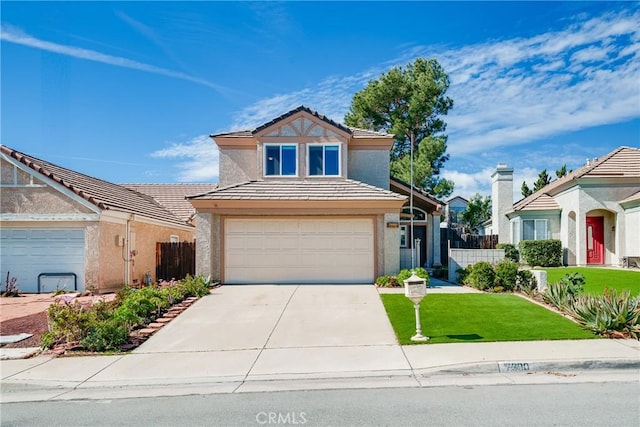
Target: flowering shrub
{"points": [[106, 326]]}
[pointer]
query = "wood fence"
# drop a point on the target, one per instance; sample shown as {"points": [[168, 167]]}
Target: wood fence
{"points": [[175, 260]]}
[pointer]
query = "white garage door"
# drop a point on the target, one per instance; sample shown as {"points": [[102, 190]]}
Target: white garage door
{"points": [[28, 252], [299, 251]]}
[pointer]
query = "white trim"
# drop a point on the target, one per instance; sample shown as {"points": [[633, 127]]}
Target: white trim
{"points": [[406, 236], [324, 145], [535, 228], [49, 217], [264, 159]]}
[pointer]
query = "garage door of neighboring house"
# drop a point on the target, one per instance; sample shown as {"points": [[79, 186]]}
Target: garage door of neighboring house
{"points": [[28, 252], [318, 250]]}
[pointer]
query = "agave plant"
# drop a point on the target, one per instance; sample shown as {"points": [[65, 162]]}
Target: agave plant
{"points": [[558, 295], [609, 313]]}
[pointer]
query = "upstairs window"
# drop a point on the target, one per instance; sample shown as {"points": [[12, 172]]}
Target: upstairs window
{"points": [[324, 160], [281, 160]]}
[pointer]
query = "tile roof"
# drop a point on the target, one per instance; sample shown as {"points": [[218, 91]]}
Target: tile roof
{"points": [[103, 194], [632, 198], [300, 190], [173, 196], [623, 162], [403, 187], [356, 132]]}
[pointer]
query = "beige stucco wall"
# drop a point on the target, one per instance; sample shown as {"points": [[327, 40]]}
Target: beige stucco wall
{"points": [[369, 166], [144, 236], [38, 200], [110, 262], [237, 165], [390, 252], [632, 232], [204, 256]]}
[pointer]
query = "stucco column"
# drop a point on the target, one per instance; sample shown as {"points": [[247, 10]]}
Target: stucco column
{"points": [[581, 238], [501, 201], [391, 244], [435, 241], [203, 245]]}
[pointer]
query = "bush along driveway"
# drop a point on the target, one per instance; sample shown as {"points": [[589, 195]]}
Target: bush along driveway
{"points": [[448, 318], [123, 323]]}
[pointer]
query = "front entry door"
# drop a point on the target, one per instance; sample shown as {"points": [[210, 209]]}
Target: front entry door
{"points": [[420, 232], [595, 240]]}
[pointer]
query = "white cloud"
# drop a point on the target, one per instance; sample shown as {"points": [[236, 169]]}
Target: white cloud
{"points": [[511, 91], [13, 35], [199, 159]]}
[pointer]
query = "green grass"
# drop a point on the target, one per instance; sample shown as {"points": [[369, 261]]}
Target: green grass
{"points": [[448, 318], [598, 278]]}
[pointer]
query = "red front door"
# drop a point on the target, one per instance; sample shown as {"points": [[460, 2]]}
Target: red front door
{"points": [[595, 240]]}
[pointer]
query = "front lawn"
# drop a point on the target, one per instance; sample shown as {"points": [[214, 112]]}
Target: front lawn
{"points": [[448, 318], [598, 278]]}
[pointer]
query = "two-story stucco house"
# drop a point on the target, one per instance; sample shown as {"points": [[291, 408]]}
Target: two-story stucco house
{"points": [[594, 211], [301, 199]]}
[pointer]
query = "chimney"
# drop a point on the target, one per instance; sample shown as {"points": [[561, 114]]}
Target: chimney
{"points": [[501, 201]]}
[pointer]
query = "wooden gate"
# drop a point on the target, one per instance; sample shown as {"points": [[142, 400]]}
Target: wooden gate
{"points": [[175, 260]]}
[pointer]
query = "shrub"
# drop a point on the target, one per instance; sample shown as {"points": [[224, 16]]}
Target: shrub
{"points": [[608, 313], [406, 273], [482, 276], [574, 283], [510, 251], [506, 273], [387, 282], [10, 287], [106, 335], [106, 325], [68, 323], [463, 275], [525, 282], [544, 253]]}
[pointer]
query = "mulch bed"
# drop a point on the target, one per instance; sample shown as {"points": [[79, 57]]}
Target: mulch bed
{"points": [[35, 324]]}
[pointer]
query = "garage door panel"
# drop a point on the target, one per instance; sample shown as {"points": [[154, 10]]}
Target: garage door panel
{"points": [[299, 250], [27, 253]]}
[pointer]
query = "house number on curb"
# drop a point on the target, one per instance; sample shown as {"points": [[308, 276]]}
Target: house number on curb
{"points": [[514, 367]]}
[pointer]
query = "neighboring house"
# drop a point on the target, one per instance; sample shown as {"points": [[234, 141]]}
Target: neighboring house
{"points": [[55, 220], [426, 227], [302, 199], [453, 209], [594, 210], [174, 196]]}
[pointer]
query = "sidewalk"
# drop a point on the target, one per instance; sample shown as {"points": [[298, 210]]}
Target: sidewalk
{"points": [[67, 378], [281, 344]]}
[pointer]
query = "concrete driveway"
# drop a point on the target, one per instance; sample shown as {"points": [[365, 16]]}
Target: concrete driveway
{"points": [[261, 332], [249, 317]]}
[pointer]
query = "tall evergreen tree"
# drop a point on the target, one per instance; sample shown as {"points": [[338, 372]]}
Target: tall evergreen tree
{"points": [[409, 102]]}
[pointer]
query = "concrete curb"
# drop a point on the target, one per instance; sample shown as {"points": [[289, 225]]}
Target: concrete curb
{"points": [[33, 391], [501, 367]]}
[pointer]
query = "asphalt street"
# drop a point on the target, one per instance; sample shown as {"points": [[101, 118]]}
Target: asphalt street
{"points": [[582, 404]]}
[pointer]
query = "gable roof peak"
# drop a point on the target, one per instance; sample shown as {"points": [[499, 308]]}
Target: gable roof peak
{"points": [[307, 110]]}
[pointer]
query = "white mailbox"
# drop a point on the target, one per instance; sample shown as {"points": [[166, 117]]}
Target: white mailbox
{"points": [[415, 288]]}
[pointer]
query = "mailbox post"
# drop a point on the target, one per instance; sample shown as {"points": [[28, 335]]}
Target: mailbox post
{"points": [[415, 288]]}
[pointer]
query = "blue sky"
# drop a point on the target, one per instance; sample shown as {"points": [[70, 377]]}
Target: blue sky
{"points": [[128, 92]]}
